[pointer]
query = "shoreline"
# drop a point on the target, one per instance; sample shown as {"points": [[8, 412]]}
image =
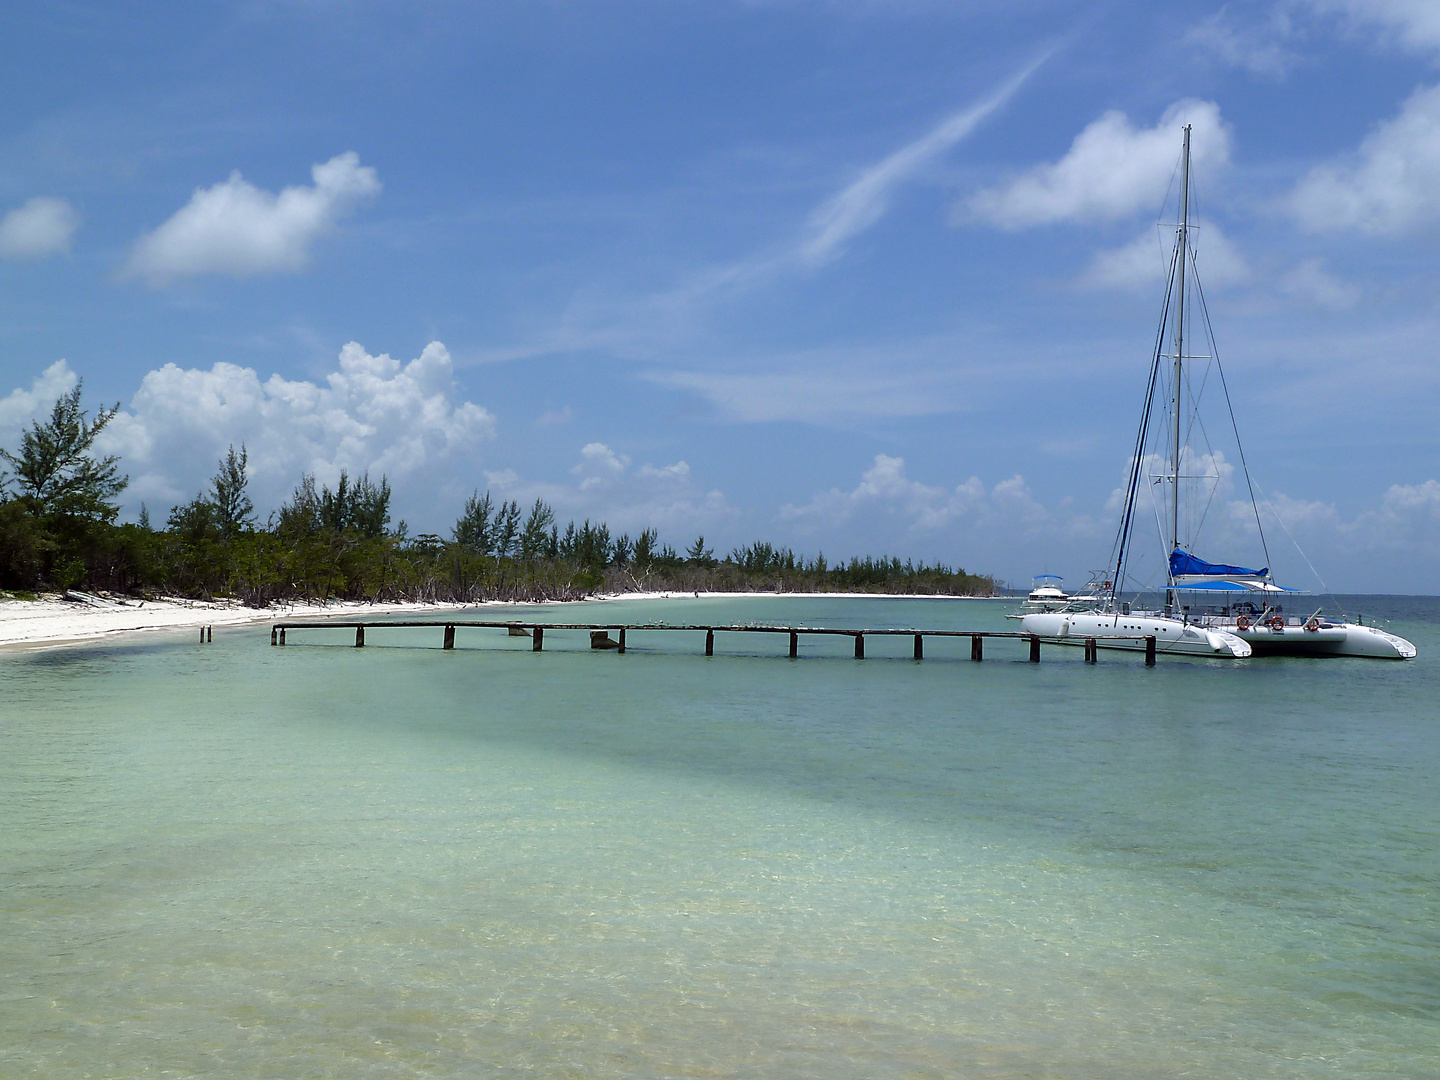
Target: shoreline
{"points": [[29, 625], [54, 622]]}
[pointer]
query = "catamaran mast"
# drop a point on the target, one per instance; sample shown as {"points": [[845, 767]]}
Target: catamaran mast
{"points": [[1184, 249]]}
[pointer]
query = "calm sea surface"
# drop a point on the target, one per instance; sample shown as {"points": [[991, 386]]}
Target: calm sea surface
{"points": [[320, 861]]}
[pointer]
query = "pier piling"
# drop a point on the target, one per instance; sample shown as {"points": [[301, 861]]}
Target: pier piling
{"points": [[919, 647], [621, 646], [1150, 651], [449, 638], [274, 636], [359, 637], [537, 640], [794, 644], [1091, 651], [709, 642], [859, 646], [977, 648], [1034, 650]]}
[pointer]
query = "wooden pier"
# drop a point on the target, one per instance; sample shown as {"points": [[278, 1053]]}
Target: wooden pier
{"points": [[600, 634]]}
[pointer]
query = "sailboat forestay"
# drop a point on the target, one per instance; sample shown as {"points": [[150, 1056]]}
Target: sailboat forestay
{"points": [[1209, 609]]}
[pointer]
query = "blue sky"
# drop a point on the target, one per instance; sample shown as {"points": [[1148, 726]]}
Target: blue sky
{"points": [[854, 277]]}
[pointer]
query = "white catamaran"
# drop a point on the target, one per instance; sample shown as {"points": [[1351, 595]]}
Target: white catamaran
{"points": [[1209, 609]]}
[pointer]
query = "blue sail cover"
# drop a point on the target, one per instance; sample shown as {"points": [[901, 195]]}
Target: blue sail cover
{"points": [[1183, 564]]}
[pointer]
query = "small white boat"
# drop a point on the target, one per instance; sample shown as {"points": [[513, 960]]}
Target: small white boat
{"points": [[1209, 609], [1047, 593]]}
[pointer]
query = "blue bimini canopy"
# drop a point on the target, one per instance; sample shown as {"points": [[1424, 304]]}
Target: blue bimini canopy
{"points": [[1183, 564]]}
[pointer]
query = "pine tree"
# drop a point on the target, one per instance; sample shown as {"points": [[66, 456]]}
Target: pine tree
{"points": [[234, 512], [645, 550], [56, 470], [538, 525], [472, 529], [507, 530], [699, 554]]}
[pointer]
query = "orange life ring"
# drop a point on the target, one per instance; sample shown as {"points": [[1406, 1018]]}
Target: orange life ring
{"points": [[1242, 623], [1312, 623], [1276, 622]]}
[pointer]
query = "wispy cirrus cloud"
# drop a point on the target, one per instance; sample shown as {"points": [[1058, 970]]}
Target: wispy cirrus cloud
{"points": [[666, 317], [238, 229], [819, 389], [866, 199]]}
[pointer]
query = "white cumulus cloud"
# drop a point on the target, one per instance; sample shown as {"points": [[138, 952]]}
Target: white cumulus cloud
{"points": [[1311, 283], [20, 406], [599, 466], [1111, 171], [1146, 260], [1259, 47], [236, 228], [1414, 23], [609, 488], [41, 226], [1393, 183], [371, 413], [885, 491], [1384, 546]]}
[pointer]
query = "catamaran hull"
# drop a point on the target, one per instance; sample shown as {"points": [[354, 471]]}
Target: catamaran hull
{"points": [[1337, 639], [1171, 635]]}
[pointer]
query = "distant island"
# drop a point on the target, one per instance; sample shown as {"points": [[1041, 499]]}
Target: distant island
{"points": [[58, 531]]}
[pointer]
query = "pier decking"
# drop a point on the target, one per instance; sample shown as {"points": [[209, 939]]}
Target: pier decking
{"points": [[600, 634]]}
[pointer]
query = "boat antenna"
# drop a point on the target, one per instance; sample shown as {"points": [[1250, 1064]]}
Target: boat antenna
{"points": [[1183, 244]]}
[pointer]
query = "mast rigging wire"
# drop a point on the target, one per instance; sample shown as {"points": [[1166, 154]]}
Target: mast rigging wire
{"points": [[1137, 458], [1235, 427]]}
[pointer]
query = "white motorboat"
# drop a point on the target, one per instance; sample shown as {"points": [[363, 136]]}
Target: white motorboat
{"points": [[1047, 593], [1208, 609]]}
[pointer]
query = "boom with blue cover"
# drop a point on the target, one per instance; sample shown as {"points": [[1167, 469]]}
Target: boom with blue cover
{"points": [[1182, 563]]}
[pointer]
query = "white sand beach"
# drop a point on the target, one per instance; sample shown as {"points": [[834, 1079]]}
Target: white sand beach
{"points": [[53, 620]]}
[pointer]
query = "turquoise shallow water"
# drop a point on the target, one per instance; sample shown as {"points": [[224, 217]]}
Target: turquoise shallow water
{"points": [[319, 861]]}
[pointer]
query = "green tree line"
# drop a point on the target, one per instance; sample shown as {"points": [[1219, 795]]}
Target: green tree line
{"points": [[59, 530]]}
